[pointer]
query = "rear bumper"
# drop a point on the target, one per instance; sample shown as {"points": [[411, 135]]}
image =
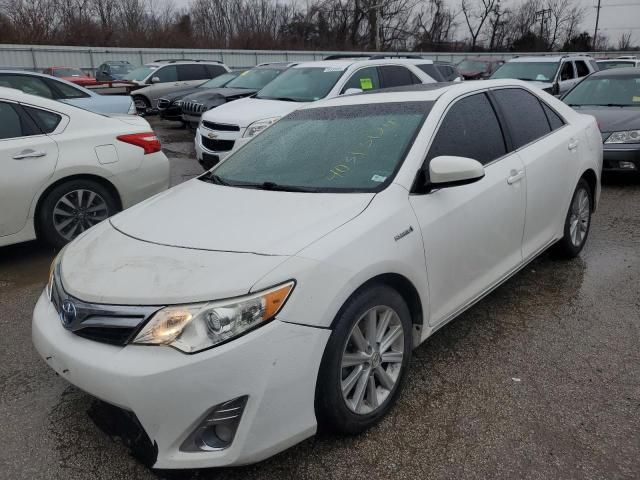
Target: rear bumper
{"points": [[168, 391], [621, 159]]}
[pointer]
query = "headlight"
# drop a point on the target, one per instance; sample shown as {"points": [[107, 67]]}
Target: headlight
{"points": [[627, 136], [256, 127], [52, 271], [132, 109], [195, 327], [178, 103]]}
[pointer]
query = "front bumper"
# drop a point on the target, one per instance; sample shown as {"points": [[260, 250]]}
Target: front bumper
{"points": [[168, 391], [621, 158], [208, 157]]}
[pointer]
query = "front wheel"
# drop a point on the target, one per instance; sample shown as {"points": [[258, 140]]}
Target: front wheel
{"points": [[365, 361], [142, 104], [577, 221]]}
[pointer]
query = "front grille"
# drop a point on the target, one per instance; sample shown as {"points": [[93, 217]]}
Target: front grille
{"points": [[163, 103], [217, 145], [193, 108], [112, 324], [220, 126]]}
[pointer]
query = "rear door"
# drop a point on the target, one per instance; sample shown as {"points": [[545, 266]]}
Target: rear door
{"points": [[27, 159], [472, 233], [547, 147]]}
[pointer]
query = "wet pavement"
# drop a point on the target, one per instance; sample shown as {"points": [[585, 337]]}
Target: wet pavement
{"points": [[539, 380]]}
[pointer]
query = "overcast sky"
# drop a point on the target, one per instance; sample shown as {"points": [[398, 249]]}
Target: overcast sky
{"points": [[616, 17]]}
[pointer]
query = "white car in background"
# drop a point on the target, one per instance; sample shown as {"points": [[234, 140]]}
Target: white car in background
{"points": [[287, 287], [228, 126], [65, 169]]}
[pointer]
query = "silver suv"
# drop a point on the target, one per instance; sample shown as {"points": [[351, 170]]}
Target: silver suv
{"points": [[162, 77], [554, 74]]}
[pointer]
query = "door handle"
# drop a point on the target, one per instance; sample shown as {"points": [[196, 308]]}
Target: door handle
{"points": [[516, 176], [573, 144], [28, 154]]}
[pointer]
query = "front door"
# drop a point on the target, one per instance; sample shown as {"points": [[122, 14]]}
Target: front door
{"points": [[472, 233]]}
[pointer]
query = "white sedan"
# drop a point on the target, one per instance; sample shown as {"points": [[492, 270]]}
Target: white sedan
{"points": [[285, 289], [64, 169]]}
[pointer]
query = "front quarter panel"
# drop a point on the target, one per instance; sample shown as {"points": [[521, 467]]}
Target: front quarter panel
{"points": [[331, 269]]}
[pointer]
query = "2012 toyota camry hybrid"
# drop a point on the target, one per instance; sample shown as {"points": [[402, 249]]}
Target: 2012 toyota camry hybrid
{"points": [[284, 290]]}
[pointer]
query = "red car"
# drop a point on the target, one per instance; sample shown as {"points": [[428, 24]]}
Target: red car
{"points": [[71, 74]]}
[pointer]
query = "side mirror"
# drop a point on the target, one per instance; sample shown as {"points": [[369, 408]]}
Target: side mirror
{"points": [[449, 171], [555, 89], [351, 91], [155, 80]]}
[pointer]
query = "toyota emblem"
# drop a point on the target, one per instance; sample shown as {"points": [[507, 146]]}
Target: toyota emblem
{"points": [[68, 314]]}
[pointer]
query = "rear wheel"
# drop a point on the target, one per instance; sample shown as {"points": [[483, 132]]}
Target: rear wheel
{"points": [[365, 361], [577, 221], [73, 207], [141, 103]]}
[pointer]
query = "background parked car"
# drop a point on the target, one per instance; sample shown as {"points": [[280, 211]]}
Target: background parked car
{"points": [[478, 68], [67, 92], [170, 106], [620, 62], [166, 76], [613, 97], [247, 83], [554, 74], [448, 71], [113, 70], [64, 169], [71, 74]]}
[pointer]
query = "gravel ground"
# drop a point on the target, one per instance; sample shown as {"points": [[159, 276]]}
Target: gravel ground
{"points": [[539, 380]]}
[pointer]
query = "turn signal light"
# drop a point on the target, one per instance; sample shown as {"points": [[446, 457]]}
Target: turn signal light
{"points": [[149, 142]]}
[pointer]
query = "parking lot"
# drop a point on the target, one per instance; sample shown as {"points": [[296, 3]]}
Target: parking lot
{"points": [[539, 380]]}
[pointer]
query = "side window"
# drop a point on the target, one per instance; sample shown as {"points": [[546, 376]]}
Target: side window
{"points": [[10, 122], [31, 85], [364, 79], [192, 72], [431, 70], [582, 68], [395, 76], [524, 115], [554, 119], [47, 121], [64, 91], [567, 71], [214, 70], [166, 74], [460, 134]]}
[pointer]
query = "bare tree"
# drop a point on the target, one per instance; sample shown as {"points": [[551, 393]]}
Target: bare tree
{"points": [[624, 42], [475, 15]]}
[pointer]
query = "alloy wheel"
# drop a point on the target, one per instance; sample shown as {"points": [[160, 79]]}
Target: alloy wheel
{"points": [[372, 360], [77, 211], [580, 217]]}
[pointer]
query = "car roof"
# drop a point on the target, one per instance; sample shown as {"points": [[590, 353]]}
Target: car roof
{"points": [[618, 72], [347, 62], [550, 58]]}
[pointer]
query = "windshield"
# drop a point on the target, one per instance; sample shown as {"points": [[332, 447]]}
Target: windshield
{"points": [[255, 78], [472, 66], [614, 91], [368, 144], [139, 73], [306, 84], [220, 80], [531, 71], [615, 64], [67, 72], [121, 69]]}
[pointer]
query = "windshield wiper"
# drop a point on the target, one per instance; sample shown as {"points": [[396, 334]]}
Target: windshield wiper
{"points": [[218, 180], [599, 105], [213, 178], [285, 188], [283, 99]]}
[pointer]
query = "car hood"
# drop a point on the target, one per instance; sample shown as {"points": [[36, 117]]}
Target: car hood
{"points": [[204, 216], [613, 119], [207, 94], [180, 93], [107, 266], [245, 111]]}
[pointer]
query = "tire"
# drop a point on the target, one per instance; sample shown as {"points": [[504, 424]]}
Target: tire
{"points": [[577, 222], [142, 104], [75, 204], [345, 415]]}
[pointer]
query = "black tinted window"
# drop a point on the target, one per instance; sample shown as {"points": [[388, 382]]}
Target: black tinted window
{"points": [[28, 84], [582, 68], [554, 119], [47, 121], [166, 74], [470, 129], [10, 124], [523, 112], [214, 70], [430, 70], [395, 76], [567, 71], [192, 72], [63, 90]]}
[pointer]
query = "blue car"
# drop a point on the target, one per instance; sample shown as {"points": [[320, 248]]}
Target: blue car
{"points": [[67, 92]]}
